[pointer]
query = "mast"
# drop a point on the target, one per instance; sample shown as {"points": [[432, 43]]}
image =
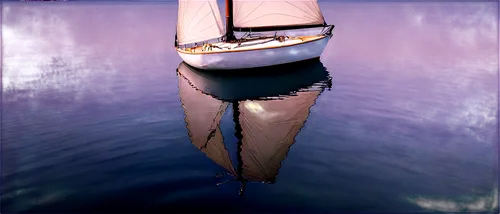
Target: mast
{"points": [[229, 21], [238, 134]]}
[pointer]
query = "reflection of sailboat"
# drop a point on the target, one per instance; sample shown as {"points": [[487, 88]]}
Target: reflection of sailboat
{"points": [[271, 32], [266, 122]]}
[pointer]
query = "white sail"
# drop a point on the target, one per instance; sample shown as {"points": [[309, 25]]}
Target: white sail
{"points": [[198, 20], [202, 116], [269, 128], [270, 13]]}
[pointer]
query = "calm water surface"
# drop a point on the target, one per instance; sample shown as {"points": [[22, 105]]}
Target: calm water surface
{"points": [[100, 115]]}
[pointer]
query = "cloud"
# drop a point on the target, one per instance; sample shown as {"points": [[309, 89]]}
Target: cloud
{"points": [[39, 49]]}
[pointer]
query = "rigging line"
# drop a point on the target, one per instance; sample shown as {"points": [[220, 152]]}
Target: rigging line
{"points": [[319, 11], [214, 130], [312, 16], [183, 26], [239, 8], [316, 7], [180, 15], [180, 19], [225, 147], [209, 137], [305, 3], [216, 21], [207, 28], [275, 14], [197, 12], [251, 12], [196, 15], [184, 17], [315, 10], [220, 111], [253, 157], [202, 19]]}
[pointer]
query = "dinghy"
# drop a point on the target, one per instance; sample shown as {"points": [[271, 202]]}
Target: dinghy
{"points": [[258, 33], [266, 122]]}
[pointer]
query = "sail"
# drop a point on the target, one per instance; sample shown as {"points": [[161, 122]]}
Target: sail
{"points": [[276, 13], [198, 20], [269, 128], [202, 116]]}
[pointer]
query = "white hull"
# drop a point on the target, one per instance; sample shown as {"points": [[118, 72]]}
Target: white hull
{"points": [[264, 55]]}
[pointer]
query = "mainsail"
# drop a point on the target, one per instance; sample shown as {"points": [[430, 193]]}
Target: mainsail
{"points": [[198, 20], [255, 14], [202, 116], [269, 128]]}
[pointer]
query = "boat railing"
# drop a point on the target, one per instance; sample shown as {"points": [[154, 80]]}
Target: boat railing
{"points": [[196, 44], [208, 45], [327, 30]]}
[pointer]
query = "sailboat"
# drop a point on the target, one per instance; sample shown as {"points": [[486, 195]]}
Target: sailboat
{"points": [[258, 33], [266, 122]]}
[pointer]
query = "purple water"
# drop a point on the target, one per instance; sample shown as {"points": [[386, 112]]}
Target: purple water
{"points": [[92, 119]]}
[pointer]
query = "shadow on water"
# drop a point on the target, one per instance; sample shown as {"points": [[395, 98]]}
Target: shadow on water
{"points": [[467, 204], [268, 112]]}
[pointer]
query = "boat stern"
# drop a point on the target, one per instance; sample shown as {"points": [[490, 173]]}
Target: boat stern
{"points": [[201, 61]]}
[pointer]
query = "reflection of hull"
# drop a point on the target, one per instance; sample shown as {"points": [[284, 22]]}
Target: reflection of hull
{"points": [[277, 80], [261, 55]]}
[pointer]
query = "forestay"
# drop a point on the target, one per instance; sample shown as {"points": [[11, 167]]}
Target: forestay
{"points": [[198, 20], [276, 13]]}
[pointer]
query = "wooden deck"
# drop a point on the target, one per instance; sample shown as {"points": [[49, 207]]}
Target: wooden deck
{"points": [[235, 47]]}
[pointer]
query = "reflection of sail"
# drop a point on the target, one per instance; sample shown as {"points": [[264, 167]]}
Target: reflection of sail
{"points": [[202, 115], [269, 128], [268, 111]]}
